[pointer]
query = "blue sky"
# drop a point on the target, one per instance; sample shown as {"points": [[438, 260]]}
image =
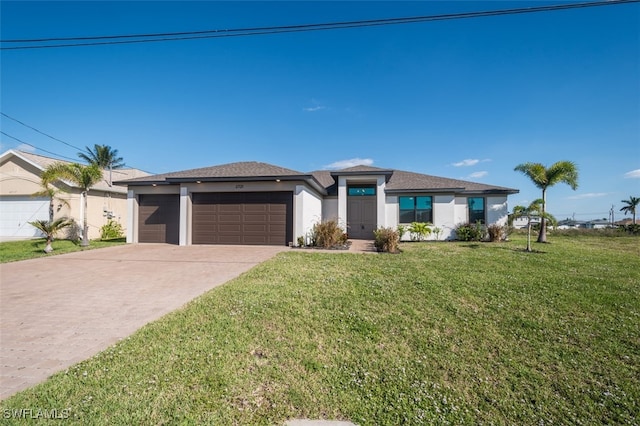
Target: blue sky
{"points": [[468, 98]]}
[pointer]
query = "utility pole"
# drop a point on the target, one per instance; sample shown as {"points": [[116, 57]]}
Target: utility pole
{"points": [[612, 216]]}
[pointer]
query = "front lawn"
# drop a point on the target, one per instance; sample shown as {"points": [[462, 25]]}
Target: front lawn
{"points": [[461, 333], [11, 251]]}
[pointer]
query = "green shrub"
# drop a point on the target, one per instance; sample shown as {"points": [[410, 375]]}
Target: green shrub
{"points": [[470, 232], [327, 234], [633, 229], [497, 232], [401, 229], [386, 240], [111, 230], [419, 230]]}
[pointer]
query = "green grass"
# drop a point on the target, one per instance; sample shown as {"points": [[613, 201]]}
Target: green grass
{"points": [[11, 251], [459, 333]]}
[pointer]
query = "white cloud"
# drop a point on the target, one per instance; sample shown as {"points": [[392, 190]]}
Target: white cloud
{"points": [[469, 162], [25, 147], [588, 195], [478, 175], [314, 108], [343, 164], [466, 163], [633, 174]]}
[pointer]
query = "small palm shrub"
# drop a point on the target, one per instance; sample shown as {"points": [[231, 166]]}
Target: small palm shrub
{"points": [[50, 229], [419, 230], [328, 234], [470, 232], [111, 230], [496, 232], [386, 240]]}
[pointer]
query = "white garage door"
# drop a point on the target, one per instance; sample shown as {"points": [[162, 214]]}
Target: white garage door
{"points": [[16, 212]]}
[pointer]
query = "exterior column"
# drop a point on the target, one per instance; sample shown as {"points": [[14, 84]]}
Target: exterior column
{"points": [[381, 216], [184, 215], [131, 217], [342, 200]]}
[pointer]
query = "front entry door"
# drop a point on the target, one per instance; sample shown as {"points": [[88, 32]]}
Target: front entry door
{"points": [[361, 217]]}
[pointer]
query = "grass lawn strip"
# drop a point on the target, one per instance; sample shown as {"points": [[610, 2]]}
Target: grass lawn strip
{"points": [[442, 333], [11, 251]]}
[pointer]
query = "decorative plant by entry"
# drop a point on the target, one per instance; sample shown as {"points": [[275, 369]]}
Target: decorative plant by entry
{"points": [[386, 240], [419, 231]]}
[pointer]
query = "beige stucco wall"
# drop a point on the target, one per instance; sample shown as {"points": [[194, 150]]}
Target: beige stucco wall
{"points": [[21, 178]]}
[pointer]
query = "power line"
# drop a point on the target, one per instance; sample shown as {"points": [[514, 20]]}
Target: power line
{"points": [[35, 147], [42, 133], [244, 32]]}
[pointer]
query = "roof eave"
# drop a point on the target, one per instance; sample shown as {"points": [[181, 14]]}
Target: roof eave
{"points": [[312, 181], [386, 173], [424, 190]]}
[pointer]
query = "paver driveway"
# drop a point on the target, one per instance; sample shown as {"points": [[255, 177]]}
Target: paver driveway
{"points": [[57, 311]]}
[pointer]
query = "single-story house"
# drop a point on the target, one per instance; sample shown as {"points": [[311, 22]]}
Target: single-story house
{"points": [[259, 203], [20, 178]]}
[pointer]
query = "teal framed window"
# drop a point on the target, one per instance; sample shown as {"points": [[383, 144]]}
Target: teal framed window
{"points": [[361, 190], [416, 209], [477, 209]]}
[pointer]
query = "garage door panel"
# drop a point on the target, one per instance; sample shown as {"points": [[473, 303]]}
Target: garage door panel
{"points": [[242, 218], [256, 218], [17, 211], [158, 218]]}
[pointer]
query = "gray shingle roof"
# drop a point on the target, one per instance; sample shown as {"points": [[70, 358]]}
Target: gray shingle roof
{"points": [[397, 180], [401, 180], [232, 170]]}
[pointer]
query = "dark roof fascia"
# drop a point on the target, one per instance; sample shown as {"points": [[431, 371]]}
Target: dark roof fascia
{"points": [[387, 173], [498, 191], [178, 180], [141, 183], [424, 191], [452, 191]]}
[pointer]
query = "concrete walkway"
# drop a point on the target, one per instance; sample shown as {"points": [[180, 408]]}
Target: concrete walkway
{"points": [[57, 311]]}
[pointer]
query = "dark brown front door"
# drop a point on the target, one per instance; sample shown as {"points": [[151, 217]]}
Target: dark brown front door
{"points": [[242, 218], [361, 217], [158, 218]]}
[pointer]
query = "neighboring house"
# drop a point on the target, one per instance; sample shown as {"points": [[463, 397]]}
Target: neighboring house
{"points": [[598, 224], [258, 203], [20, 178], [570, 224]]}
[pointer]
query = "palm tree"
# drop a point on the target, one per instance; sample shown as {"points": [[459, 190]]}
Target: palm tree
{"points": [[543, 178], [104, 157], [631, 207], [50, 229], [533, 211], [85, 177], [48, 190]]}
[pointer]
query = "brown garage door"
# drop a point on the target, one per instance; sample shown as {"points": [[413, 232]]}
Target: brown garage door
{"points": [[158, 218], [242, 218]]}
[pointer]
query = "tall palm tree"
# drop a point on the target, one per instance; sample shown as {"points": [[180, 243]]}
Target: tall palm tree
{"points": [[543, 178], [48, 190], [50, 229], [83, 176], [631, 207], [104, 157]]}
